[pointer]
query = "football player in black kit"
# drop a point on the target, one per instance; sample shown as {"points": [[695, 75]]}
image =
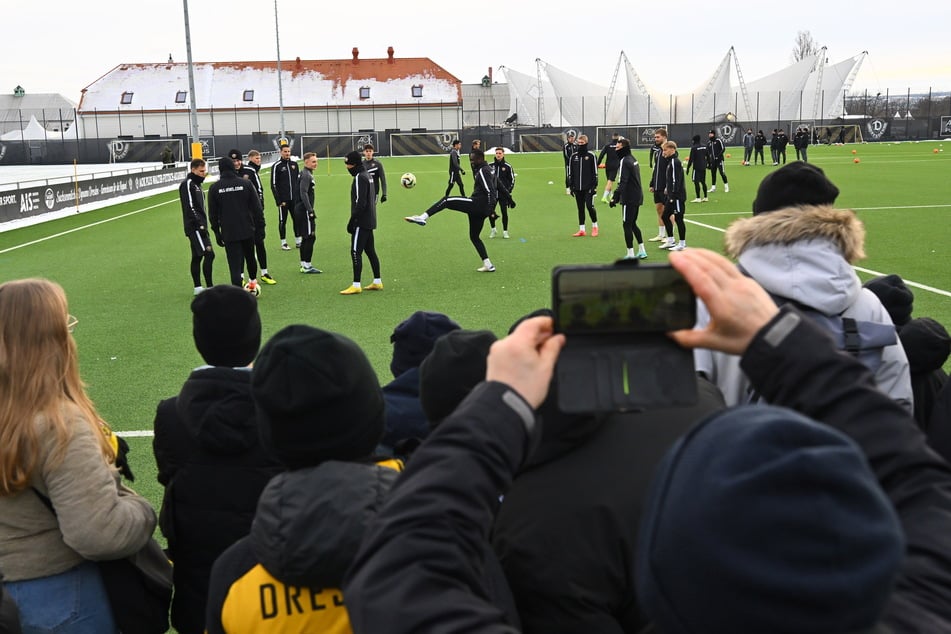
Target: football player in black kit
{"points": [[476, 208], [285, 185], [362, 223], [455, 169], [567, 150], [505, 182], [234, 211], [608, 161], [196, 224], [250, 173], [374, 168]]}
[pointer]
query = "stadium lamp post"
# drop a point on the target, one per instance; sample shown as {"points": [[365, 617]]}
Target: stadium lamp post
{"points": [[193, 108], [280, 90]]}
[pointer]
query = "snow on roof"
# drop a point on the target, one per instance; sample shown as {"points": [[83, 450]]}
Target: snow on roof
{"points": [[303, 82]]}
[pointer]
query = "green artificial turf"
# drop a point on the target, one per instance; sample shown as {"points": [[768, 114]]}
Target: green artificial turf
{"points": [[128, 283]]}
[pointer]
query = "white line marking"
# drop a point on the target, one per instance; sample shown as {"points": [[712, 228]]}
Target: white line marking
{"points": [[99, 222], [924, 287]]}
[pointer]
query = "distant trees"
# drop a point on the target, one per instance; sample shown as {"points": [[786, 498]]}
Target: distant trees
{"points": [[805, 46]]}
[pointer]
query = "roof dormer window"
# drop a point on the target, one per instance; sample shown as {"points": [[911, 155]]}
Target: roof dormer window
{"points": [[126, 98], [417, 90], [180, 96], [248, 95], [364, 92]]}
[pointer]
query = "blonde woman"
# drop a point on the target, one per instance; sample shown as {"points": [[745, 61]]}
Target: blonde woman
{"points": [[53, 443]]}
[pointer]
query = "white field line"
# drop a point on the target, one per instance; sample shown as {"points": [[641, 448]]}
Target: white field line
{"points": [[148, 433]]}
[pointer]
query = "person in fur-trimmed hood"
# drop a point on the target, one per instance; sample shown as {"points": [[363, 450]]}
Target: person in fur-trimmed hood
{"points": [[799, 247]]}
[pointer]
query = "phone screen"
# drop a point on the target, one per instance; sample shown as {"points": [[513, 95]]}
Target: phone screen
{"points": [[622, 299]]}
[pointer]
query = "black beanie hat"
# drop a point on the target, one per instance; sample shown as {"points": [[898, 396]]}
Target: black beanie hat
{"points": [[926, 343], [455, 366], [235, 155], [895, 296], [414, 337], [762, 520], [696, 138], [225, 165], [317, 398], [792, 185], [226, 326], [354, 158]]}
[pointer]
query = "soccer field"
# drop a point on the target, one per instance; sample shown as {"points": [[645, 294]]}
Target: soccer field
{"points": [[125, 267]]}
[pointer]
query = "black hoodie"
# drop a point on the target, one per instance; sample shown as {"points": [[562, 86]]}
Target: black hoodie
{"points": [[210, 460], [234, 209]]}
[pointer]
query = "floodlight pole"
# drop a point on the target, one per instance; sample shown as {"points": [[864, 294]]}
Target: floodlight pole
{"points": [[193, 108], [280, 89]]}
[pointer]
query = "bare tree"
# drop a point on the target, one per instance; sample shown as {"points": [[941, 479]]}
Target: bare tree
{"points": [[805, 46]]}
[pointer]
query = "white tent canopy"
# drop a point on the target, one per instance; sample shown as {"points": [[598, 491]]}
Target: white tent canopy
{"points": [[34, 131]]}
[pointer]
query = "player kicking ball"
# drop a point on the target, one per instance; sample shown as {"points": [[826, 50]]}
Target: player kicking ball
{"points": [[477, 208]]}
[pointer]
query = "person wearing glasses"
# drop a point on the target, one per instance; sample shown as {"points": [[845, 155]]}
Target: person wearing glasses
{"points": [[57, 451]]}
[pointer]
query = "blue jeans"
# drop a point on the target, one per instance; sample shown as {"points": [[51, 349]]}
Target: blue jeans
{"points": [[72, 602]]}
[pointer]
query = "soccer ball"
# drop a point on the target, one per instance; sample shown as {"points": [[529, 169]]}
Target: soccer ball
{"points": [[254, 288], [408, 180]]}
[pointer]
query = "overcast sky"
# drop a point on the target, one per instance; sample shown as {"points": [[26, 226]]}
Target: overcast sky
{"points": [[61, 46]]}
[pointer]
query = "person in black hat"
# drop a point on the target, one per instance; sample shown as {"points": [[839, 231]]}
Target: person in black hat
{"points": [[320, 413], [455, 169], [697, 161], [250, 172], [477, 208], [805, 485], [207, 449], [889, 487], [413, 340], [285, 186], [801, 249], [234, 213], [361, 225]]}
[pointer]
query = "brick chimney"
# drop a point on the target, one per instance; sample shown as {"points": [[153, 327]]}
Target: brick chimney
{"points": [[389, 55], [356, 55]]}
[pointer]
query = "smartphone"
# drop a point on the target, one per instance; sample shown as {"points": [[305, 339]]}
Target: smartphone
{"points": [[617, 355], [621, 299]]}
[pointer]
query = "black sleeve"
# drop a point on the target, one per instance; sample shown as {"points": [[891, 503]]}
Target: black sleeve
{"points": [[167, 442], [381, 177], [793, 363], [230, 566], [431, 533]]}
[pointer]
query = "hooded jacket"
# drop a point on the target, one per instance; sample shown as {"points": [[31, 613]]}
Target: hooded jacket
{"points": [[583, 170], [287, 573], [580, 496], [193, 204], [629, 190], [927, 345], [213, 467], [804, 254], [234, 209], [362, 199]]}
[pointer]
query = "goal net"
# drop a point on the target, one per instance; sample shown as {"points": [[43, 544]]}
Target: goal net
{"points": [[831, 134], [145, 150]]}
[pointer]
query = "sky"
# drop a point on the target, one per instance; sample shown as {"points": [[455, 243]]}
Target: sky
{"points": [[60, 46]]}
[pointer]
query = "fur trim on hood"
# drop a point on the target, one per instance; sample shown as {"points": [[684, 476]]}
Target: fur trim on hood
{"points": [[792, 224]]}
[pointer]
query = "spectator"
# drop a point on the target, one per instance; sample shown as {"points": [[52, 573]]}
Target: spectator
{"points": [[806, 486], [587, 475], [320, 412], [803, 254], [56, 446], [490, 434], [412, 340], [927, 344], [206, 446]]}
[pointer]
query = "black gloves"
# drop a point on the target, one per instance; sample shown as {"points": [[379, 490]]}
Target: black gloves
{"points": [[218, 239], [383, 198], [122, 459]]}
